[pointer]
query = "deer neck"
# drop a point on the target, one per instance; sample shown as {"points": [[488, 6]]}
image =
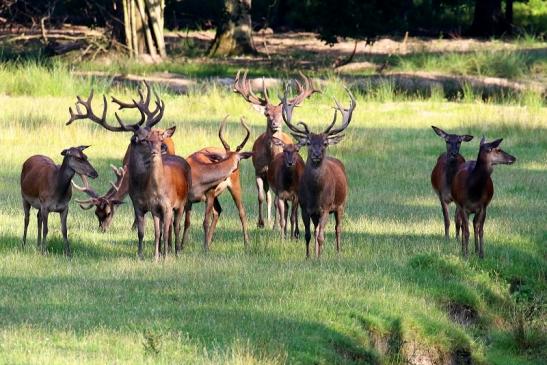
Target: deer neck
{"points": [[315, 173], [452, 166], [64, 176], [217, 172], [274, 150], [145, 169], [479, 176]]}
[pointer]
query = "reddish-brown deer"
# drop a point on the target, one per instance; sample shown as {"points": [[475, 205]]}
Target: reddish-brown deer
{"points": [[158, 183], [473, 189], [213, 171], [324, 183], [263, 148], [444, 171], [284, 174], [46, 187]]}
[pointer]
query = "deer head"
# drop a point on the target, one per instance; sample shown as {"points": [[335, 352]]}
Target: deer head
{"points": [[227, 148], [290, 151], [318, 143], [105, 205], [77, 161], [271, 111], [492, 154], [453, 141]]}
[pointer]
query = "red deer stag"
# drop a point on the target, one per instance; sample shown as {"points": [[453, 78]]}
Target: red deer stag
{"points": [[444, 171], [214, 170], [158, 183], [106, 204], [324, 184], [46, 187], [472, 190], [284, 174], [263, 148]]}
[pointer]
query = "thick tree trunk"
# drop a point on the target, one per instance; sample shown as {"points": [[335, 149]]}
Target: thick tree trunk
{"points": [[488, 19], [140, 26], [234, 31]]}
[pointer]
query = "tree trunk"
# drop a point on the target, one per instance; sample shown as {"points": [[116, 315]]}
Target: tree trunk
{"points": [[234, 31], [488, 19], [140, 27]]}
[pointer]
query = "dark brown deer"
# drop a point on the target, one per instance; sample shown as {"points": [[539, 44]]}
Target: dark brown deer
{"points": [[46, 187], [213, 171], [324, 184], [106, 204], [158, 183], [263, 148], [284, 174], [472, 190], [444, 171]]}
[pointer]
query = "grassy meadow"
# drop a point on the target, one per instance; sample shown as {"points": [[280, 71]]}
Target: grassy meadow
{"points": [[397, 293]]}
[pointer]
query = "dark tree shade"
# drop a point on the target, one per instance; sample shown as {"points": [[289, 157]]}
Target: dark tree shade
{"points": [[488, 19]]}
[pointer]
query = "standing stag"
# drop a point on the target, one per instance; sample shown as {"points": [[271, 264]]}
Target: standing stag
{"points": [[158, 183], [264, 150], [213, 171], [284, 174], [46, 187], [324, 183], [443, 174], [106, 204], [473, 190]]}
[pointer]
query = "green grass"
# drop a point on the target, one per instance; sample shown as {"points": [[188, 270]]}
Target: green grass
{"points": [[385, 296]]}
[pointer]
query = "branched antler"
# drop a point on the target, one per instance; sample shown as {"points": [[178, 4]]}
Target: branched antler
{"points": [[223, 141]]}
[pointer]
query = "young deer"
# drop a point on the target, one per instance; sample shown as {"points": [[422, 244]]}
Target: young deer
{"points": [[472, 190], [46, 187], [444, 171], [284, 174], [213, 171], [107, 204], [324, 183], [264, 150], [157, 184]]}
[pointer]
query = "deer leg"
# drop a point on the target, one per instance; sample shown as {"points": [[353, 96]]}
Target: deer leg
{"points": [[315, 220], [458, 220], [465, 232], [307, 233], [260, 187], [235, 191], [187, 215], [39, 218], [64, 229], [321, 231], [167, 229], [26, 209], [476, 222], [338, 215], [217, 209], [446, 217], [206, 221], [285, 217], [44, 213], [295, 232], [280, 207], [176, 226], [157, 234], [139, 218], [481, 232]]}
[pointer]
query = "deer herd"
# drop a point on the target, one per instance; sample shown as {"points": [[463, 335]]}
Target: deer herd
{"points": [[166, 185]]}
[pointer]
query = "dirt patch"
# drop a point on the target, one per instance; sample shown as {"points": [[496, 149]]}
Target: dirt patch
{"points": [[462, 314]]}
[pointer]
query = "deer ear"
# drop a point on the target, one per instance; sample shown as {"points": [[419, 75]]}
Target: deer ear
{"points": [[81, 148], [483, 140], [335, 139], [466, 138], [440, 132], [64, 152], [301, 141], [169, 132], [496, 143], [259, 108], [117, 202], [245, 155]]}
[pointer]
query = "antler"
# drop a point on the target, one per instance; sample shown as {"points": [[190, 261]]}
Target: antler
{"points": [[120, 173], [243, 87], [85, 204], [89, 114], [303, 91], [287, 116], [152, 117], [346, 115], [223, 141]]}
